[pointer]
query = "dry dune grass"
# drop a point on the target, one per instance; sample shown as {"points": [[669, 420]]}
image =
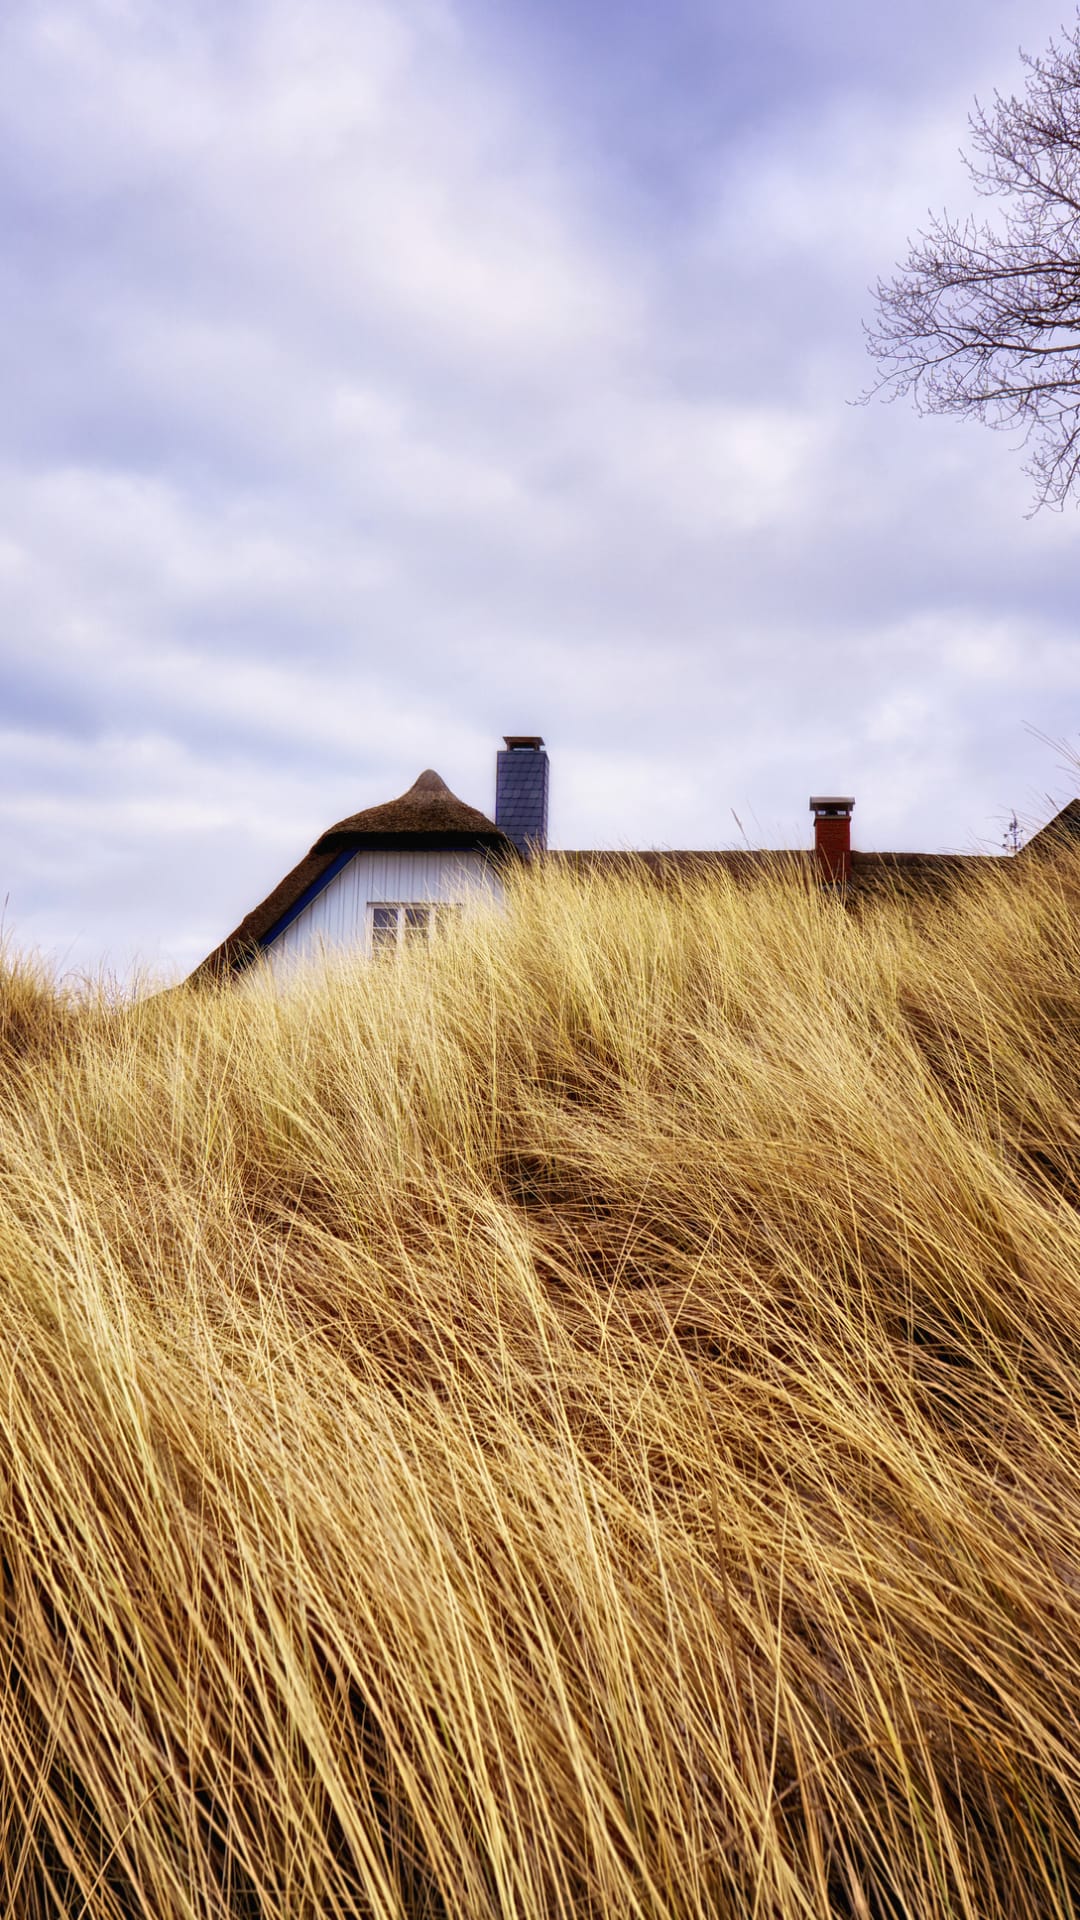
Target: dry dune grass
{"points": [[580, 1422]]}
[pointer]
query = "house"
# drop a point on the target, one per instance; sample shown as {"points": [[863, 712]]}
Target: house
{"points": [[393, 873], [380, 877]]}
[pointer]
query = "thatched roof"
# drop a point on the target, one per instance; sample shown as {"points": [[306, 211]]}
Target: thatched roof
{"points": [[1062, 831], [428, 816], [870, 872]]}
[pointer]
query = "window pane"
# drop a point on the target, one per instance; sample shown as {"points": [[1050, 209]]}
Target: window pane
{"points": [[384, 927], [417, 921]]}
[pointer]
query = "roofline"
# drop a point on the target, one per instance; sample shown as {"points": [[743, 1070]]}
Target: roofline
{"points": [[724, 854], [333, 851], [304, 899]]}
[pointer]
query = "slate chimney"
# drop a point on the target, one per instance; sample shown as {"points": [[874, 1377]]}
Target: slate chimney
{"points": [[832, 838], [521, 792]]}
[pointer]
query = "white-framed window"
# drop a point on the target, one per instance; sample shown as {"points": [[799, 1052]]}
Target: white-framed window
{"points": [[395, 923]]}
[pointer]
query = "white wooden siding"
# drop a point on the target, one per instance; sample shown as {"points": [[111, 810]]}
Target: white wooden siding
{"points": [[338, 916]]}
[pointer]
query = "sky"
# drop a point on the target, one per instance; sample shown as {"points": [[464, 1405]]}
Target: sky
{"points": [[384, 378]]}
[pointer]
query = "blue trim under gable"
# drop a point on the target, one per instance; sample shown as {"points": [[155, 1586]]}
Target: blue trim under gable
{"points": [[309, 894]]}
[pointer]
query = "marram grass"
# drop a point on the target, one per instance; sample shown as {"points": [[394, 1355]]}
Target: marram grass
{"points": [[580, 1422]]}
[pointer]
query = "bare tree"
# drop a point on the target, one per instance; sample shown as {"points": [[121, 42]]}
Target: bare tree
{"points": [[983, 320]]}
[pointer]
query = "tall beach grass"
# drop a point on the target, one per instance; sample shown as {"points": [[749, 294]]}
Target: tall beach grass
{"points": [[578, 1421]]}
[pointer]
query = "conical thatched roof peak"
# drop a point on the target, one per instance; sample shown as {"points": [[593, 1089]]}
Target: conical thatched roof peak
{"points": [[428, 807]]}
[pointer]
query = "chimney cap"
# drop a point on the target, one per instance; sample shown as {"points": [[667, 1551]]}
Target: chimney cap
{"points": [[831, 803], [522, 740]]}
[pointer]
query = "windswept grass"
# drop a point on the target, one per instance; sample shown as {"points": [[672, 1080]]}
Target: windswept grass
{"points": [[580, 1422]]}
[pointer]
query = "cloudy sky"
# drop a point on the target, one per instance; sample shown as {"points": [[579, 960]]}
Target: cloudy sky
{"points": [[379, 379]]}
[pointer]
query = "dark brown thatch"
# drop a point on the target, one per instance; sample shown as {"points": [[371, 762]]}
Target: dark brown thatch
{"points": [[910, 873], [1062, 831], [427, 816], [870, 872], [672, 863]]}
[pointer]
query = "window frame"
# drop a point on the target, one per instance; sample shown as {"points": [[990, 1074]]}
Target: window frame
{"points": [[414, 922]]}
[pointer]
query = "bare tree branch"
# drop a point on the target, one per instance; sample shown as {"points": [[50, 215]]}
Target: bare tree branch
{"points": [[983, 320]]}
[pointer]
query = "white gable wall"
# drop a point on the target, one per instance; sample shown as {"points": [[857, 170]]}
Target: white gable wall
{"points": [[338, 916]]}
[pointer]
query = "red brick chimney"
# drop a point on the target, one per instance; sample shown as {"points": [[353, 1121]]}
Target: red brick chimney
{"points": [[832, 838]]}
